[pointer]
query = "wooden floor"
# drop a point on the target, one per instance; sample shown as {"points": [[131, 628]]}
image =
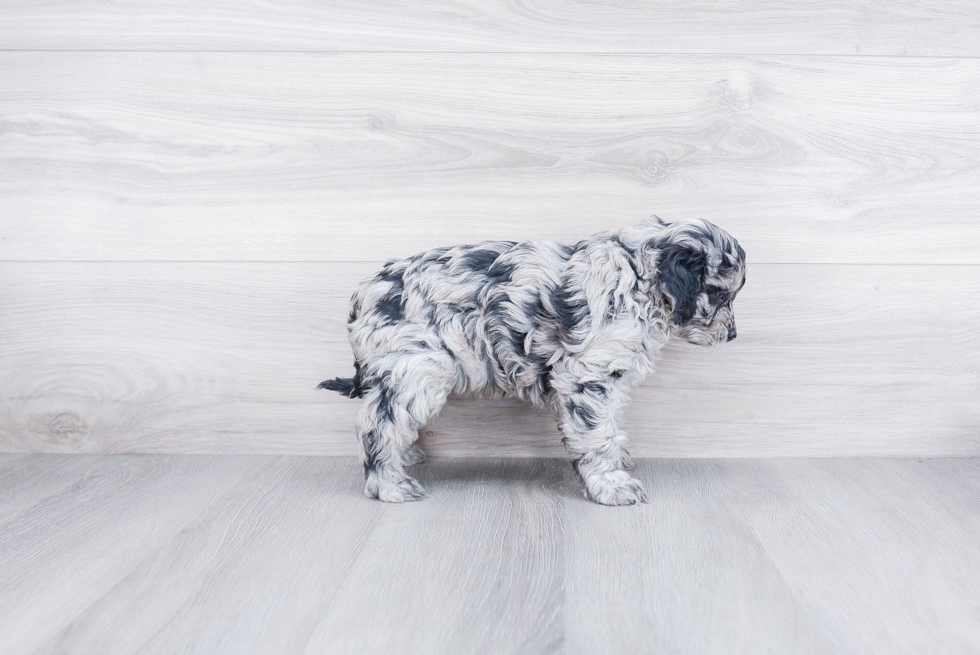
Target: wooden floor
{"points": [[267, 554]]}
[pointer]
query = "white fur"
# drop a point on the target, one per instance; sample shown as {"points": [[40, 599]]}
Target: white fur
{"points": [[567, 328]]}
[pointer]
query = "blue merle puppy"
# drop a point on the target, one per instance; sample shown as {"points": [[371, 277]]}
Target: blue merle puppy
{"points": [[567, 328]]}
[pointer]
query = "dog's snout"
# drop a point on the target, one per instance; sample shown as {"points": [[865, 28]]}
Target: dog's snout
{"points": [[732, 333]]}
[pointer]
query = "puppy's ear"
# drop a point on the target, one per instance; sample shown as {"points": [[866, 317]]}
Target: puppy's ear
{"points": [[679, 271]]}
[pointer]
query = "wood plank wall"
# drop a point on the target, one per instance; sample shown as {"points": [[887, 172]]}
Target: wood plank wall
{"points": [[190, 191]]}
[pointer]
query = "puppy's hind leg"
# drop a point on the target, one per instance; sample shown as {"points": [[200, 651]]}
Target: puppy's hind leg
{"points": [[406, 390]]}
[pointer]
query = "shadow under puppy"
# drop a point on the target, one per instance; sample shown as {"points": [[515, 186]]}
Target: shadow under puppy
{"points": [[567, 328]]}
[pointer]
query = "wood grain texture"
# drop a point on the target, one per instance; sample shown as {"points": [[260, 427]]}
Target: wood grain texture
{"points": [[225, 554], [787, 556], [343, 157], [47, 548], [486, 577], [905, 27], [224, 358], [226, 564]]}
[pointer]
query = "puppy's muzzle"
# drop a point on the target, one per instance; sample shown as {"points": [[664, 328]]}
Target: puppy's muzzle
{"points": [[732, 333]]}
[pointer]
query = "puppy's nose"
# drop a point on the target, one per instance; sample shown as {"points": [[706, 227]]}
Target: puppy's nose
{"points": [[732, 333]]}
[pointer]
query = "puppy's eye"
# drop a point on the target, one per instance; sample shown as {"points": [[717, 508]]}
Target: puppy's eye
{"points": [[719, 296]]}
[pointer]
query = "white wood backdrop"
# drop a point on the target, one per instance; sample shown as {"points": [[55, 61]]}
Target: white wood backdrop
{"points": [[868, 27], [188, 196]]}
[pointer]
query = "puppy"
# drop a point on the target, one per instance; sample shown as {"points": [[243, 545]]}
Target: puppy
{"points": [[567, 328]]}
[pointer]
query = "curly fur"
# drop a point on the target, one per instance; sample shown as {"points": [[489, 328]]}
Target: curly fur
{"points": [[567, 328]]}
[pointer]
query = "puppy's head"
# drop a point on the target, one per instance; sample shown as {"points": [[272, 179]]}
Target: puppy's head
{"points": [[699, 270]]}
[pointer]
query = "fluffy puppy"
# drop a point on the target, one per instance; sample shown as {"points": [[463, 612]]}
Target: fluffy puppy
{"points": [[567, 328]]}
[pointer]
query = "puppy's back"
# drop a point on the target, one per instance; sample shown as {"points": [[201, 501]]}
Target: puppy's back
{"points": [[489, 304]]}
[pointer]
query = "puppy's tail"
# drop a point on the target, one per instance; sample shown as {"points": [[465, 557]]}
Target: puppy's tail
{"points": [[346, 386]]}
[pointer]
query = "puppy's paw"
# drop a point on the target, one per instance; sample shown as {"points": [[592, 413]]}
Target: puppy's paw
{"points": [[405, 490], [615, 488], [413, 455]]}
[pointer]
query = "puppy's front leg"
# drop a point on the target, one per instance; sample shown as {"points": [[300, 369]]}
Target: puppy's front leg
{"points": [[587, 420]]}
